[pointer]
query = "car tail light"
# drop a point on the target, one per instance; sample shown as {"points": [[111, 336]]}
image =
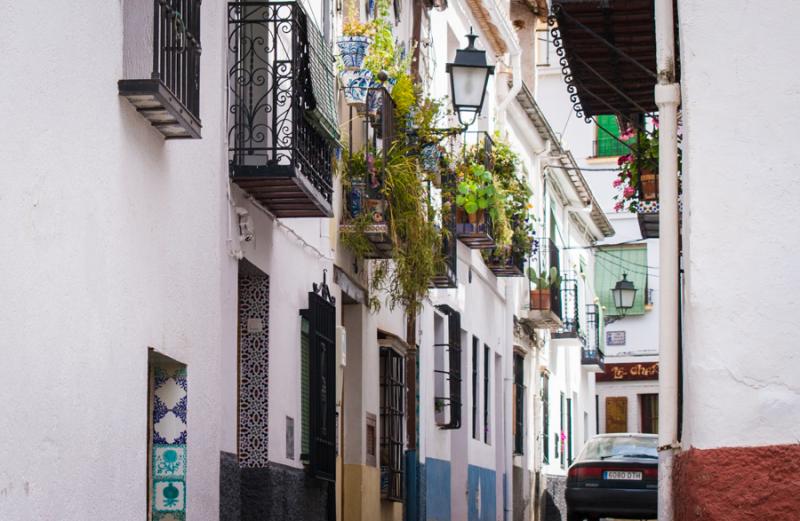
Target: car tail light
{"points": [[651, 473], [584, 473]]}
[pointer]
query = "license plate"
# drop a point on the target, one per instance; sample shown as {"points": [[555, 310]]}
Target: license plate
{"points": [[623, 474]]}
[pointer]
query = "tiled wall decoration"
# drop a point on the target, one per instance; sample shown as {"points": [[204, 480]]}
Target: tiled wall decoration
{"points": [[253, 370], [169, 443]]}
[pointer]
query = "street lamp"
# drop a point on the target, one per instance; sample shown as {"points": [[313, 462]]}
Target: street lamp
{"points": [[469, 74], [624, 294]]}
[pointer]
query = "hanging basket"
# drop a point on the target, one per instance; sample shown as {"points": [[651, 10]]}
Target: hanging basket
{"points": [[355, 85], [353, 50]]}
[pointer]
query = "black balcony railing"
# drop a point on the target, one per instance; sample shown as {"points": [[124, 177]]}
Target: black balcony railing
{"points": [[510, 265], [476, 232], [170, 98], [592, 352], [370, 136], [446, 273], [281, 86], [570, 316]]}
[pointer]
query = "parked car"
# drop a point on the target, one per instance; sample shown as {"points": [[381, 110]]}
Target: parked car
{"points": [[615, 475]]}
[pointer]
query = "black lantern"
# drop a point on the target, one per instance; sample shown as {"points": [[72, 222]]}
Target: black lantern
{"points": [[624, 294], [469, 75]]}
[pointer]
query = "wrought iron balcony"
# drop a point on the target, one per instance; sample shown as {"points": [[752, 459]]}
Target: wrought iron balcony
{"points": [[510, 265], [571, 326], [370, 135], [282, 126], [476, 231], [592, 355], [170, 98], [545, 303], [446, 276]]}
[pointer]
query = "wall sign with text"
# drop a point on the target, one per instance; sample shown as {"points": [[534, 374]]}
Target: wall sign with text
{"points": [[624, 372], [615, 338]]}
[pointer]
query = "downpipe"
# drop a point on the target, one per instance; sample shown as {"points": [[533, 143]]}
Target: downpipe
{"points": [[667, 97]]}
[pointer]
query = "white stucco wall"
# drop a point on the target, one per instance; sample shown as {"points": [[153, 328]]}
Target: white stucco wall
{"points": [[112, 243], [742, 280]]}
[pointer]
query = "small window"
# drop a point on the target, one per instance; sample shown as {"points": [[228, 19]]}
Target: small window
{"points": [[607, 143], [648, 404], [447, 369], [544, 45], [167, 433]]}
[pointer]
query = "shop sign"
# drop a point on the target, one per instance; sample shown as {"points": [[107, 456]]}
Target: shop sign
{"points": [[624, 372]]}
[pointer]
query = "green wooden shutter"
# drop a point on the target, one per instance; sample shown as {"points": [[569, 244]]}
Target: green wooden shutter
{"points": [[607, 146], [610, 264]]}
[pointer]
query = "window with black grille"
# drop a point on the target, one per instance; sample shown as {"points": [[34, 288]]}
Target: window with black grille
{"points": [[162, 78], [393, 409], [321, 317], [545, 418], [448, 403], [519, 403], [475, 388]]}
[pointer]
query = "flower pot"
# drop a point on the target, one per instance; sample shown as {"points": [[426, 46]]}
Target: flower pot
{"points": [[540, 299], [353, 50], [431, 156], [648, 183], [377, 209], [355, 84], [375, 96], [355, 199]]}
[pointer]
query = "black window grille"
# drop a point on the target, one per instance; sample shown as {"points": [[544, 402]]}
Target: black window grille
{"points": [[592, 351], [569, 431], [452, 401], [519, 404], [562, 436], [570, 316], [393, 409], [545, 418], [321, 316], [475, 391], [486, 356], [282, 113]]}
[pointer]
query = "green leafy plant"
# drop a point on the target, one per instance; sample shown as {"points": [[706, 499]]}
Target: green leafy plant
{"points": [[476, 191]]}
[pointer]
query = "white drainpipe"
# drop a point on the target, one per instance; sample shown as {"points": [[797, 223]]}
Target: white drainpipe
{"points": [[667, 97], [514, 52]]}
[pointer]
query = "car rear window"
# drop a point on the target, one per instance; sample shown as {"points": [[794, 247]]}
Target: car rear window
{"points": [[620, 447]]}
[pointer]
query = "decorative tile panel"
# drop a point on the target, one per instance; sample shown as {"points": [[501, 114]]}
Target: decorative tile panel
{"points": [[253, 370], [168, 465]]}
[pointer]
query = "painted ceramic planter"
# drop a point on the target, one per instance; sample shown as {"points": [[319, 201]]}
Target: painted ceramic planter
{"points": [[355, 84], [431, 156], [375, 97], [356, 197], [353, 50]]}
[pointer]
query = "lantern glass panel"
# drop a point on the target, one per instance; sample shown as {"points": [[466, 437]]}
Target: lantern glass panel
{"points": [[468, 84]]}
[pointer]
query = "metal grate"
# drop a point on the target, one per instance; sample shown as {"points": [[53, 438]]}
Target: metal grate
{"points": [[393, 408], [176, 49], [452, 401]]}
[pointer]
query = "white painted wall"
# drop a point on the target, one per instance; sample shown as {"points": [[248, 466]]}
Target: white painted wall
{"points": [[112, 243], [742, 280]]}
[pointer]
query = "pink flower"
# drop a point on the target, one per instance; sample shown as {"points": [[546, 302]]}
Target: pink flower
{"points": [[617, 182], [624, 159], [628, 192], [655, 122], [628, 134], [618, 207]]}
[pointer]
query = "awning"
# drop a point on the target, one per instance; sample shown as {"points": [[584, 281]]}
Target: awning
{"points": [[322, 113], [611, 263], [610, 52]]}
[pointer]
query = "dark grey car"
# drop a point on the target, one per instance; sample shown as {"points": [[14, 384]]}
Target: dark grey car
{"points": [[615, 475]]}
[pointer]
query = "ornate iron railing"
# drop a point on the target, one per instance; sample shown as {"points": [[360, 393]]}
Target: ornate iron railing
{"points": [[570, 315], [272, 94], [592, 352], [176, 49]]}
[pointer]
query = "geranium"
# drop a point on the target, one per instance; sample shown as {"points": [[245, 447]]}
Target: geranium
{"points": [[617, 182], [628, 192]]}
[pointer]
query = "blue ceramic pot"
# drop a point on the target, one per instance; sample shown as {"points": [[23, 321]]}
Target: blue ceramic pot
{"points": [[355, 84], [353, 50]]}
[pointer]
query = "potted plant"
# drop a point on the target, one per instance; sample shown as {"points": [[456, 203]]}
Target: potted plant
{"points": [[544, 281], [475, 194], [638, 177], [355, 40]]}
